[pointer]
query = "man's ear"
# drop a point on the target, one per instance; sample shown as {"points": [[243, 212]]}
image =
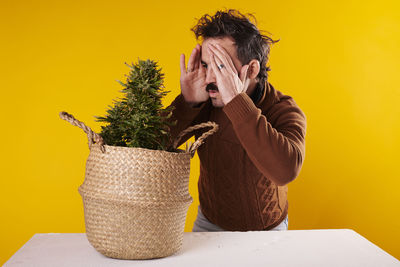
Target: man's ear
{"points": [[254, 69]]}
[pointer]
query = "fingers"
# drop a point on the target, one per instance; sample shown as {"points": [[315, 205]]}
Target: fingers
{"points": [[192, 59], [198, 57], [243, 73], [201, 69], [228, 58], [182, 64], [223, 56], [214, 65], [243, 77]]}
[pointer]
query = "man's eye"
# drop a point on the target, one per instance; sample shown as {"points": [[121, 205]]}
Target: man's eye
{"points": [[204, 65]]}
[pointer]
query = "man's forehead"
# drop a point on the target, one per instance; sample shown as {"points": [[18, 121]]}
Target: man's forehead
{"points": [[225, 41]]}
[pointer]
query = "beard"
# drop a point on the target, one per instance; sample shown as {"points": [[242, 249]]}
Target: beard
{"points": [[212, 87]]}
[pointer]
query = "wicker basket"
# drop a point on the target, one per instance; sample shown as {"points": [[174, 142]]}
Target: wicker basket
{"points": [[135, 200]]}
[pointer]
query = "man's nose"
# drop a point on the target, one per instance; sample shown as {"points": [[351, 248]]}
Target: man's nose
{"points": [[210, 77]]}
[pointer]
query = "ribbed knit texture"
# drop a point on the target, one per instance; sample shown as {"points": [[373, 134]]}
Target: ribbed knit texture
{"points": [[246, 165]]}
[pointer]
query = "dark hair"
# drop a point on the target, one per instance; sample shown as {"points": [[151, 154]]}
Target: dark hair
{"points": [[250, 43]]}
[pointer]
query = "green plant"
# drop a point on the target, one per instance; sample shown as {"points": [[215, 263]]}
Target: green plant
{"points": [[139, 119]]}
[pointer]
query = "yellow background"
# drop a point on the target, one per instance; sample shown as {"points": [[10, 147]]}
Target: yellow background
{"points": [[339, 60]]}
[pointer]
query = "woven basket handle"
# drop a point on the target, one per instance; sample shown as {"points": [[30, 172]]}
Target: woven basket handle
{"points": [[92, 136], [193, 147], [96, 138]]}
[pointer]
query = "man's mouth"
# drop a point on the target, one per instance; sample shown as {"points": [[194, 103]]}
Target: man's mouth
{"points": [[212, 88]]}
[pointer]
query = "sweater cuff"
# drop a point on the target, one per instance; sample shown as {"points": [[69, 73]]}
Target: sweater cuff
{"points": [[184, 110], [239, 108]]}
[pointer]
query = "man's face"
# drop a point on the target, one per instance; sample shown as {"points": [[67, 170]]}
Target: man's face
{"points": [[212, 87]]}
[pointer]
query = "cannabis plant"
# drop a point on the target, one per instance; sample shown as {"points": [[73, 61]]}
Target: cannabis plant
{"points": [[139, 119]]}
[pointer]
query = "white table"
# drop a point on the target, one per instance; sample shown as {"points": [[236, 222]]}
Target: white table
{"points": [[309, 248]]}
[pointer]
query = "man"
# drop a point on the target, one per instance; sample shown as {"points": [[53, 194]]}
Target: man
{"points": [[260, 145]]}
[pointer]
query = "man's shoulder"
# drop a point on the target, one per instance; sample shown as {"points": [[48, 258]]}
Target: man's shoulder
{"points": [[277, 102], [278, 96]]}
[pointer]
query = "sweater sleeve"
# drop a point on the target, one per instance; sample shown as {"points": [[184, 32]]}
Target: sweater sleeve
{"points": [[277, 152], [185, 116]]}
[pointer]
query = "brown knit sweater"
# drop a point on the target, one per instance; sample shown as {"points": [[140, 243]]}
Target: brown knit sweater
{"points": [[245, 166]]}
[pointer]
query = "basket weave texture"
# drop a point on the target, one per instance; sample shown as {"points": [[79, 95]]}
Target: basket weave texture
{"points": [[135, 199]]}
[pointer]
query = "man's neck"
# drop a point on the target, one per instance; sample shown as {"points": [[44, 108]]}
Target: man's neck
{"points": [[252, 87], [257, 93]]}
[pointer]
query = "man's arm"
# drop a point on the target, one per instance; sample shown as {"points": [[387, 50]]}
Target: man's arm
{"points": [[277, 152], [193, 100]]}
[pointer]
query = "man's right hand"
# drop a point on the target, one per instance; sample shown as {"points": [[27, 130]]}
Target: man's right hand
{"points": [[193, 80]]}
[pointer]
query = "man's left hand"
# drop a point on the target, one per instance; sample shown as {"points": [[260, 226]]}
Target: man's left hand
{"points": [[228, 81]]}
